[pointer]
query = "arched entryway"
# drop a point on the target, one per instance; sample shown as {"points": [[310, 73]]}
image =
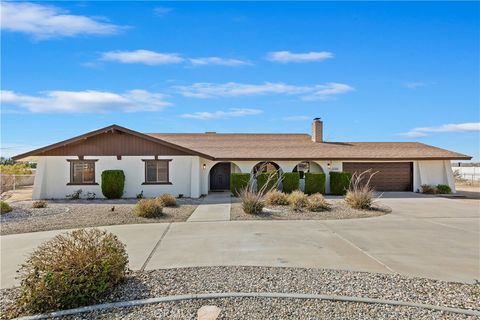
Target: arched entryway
{"points": [[265, 166], [304, 167], [220, 175]]}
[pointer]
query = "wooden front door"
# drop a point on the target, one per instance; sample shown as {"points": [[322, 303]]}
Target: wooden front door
{"points": [[220, 177]]}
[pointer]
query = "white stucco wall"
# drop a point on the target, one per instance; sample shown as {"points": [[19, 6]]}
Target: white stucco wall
{"points": [[53, 175]]}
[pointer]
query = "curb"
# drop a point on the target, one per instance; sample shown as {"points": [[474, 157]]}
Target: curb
{"points": [[141, 302]]}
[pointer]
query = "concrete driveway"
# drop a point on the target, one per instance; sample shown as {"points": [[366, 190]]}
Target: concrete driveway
{"points": [[428, 237]]}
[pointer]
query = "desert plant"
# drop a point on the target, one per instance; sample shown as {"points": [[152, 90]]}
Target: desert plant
{"points": [[443, 189], [168, 200], [290, 181], [90, 195], [239, 182], [140, 195], [267, 181], [360, 194], [39, 204], [252, 202], [314, 183], [428, 189], [149, 208], [276, 198], [71, 270], [298, 200], [339, 182], [4, 207], [17, 168], [75, 195], [113, 182], [316, 202]]}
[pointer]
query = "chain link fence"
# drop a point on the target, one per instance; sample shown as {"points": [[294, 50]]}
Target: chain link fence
{"points": [[13, 181]]}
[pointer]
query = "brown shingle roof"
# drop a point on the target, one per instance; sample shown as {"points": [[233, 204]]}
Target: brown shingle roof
{"points": [[300, 146]]}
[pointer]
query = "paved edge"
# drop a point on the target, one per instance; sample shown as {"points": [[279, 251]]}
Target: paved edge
{"points": [[132, 303]]}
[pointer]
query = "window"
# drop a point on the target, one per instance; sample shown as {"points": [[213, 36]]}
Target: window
{"points": [[82, 171], [156, 171]]}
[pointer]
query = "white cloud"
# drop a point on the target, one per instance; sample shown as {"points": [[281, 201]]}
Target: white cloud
{"points": [[414, 85], [287, 56], [142, 56], [162, 11], [88, 101], [297, 118], [46, 21], [459, 127], [218, 61], [231, 113], [232, 89]]}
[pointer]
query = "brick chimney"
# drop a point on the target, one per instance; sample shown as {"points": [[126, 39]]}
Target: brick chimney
{"points": [[317, 130]]}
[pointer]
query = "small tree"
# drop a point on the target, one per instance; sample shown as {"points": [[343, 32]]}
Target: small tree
{"points": [[113, 182]]}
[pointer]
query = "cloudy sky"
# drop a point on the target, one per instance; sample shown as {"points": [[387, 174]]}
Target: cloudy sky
{"points": [[372, 71]]}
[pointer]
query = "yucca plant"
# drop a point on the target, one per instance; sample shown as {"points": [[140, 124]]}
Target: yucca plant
{"points": [[360, 194]]}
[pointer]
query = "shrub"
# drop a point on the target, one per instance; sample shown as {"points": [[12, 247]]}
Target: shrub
{"points": [[267, 181], [238, 182], [71, 270], [316, 202], [4, 207], [443, 189], [314, 183], [290, 181], [252, 202], [339, 182], [168, 200], [39, 204], [428, 189], [360, 194], [75, 195], [298, 200], [17, 168], [149, 208], [276, 198], [113, 182]]}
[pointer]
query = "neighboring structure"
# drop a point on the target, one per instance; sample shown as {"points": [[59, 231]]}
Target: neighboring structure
{"points": [[194, 164]]}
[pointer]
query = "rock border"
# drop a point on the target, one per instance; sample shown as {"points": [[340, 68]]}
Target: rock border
{"points": [[132, 303]]}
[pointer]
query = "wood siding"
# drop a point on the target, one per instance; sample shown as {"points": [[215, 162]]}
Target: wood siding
{"points": [[391, 176]]}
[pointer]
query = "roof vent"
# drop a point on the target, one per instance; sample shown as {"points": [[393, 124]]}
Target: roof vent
{"points": [[210, 132]]}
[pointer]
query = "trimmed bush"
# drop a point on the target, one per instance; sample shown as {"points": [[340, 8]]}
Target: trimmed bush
{"points": [[276, 198], [252, 202], [339, 182], [113, 182], [291, 181], [149, 208], [4, 207], [39, 204], [314, 183], [428, 189], [238, 182], [71, 270], [443, 189], [263, 178], [316, 203], [298, 200], [168, 200]]}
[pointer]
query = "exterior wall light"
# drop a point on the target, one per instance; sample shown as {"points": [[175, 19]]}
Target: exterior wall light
{"points": [[329, 165], [204, 166]]}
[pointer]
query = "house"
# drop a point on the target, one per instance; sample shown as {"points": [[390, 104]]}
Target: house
{"points": [[192, 164]]}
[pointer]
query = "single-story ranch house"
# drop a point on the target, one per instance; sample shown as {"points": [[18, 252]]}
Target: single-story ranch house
{"points": [[192, 164]]}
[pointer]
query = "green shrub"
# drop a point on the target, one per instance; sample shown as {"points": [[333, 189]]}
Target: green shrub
{"points": [[113, 182], [291, 181], [168, 200], [314, 183], [339, 182], [298, 200], [149, 208], [316, 202], [4, 207], [17, 168], [252, 202], [443, 189], [39, 204], [428, 189], [239, 182], [267, 177], [276, 198], [71, 270]]}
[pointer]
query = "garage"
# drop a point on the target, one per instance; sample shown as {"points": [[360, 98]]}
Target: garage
{"points": [[391, 176]]}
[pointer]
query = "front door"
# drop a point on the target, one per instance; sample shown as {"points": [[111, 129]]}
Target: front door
{"points": [[220, 177]]}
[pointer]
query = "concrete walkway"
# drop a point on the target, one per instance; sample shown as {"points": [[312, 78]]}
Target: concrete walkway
{"points": [[214, 207]]}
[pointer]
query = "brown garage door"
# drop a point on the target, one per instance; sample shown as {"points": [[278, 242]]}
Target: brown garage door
{"points": [[391, 176]]}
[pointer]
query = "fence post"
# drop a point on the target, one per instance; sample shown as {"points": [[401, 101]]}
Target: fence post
{"points": [[14, 181]]}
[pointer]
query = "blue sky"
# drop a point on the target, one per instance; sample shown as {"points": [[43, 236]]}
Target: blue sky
{"points": [[373, 71]]}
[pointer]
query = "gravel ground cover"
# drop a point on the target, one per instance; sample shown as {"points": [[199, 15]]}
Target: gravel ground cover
{"points": [[67, 214], [147, 284], [339, 210]]}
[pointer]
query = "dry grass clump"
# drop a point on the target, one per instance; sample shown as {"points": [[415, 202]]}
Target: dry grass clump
{"points": [[39, 204], [276, 198], [71, 270], [149, 208], [168, 200], [298, 200], [252, 202], [316, 202], [361, 195], [428, 189]]}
